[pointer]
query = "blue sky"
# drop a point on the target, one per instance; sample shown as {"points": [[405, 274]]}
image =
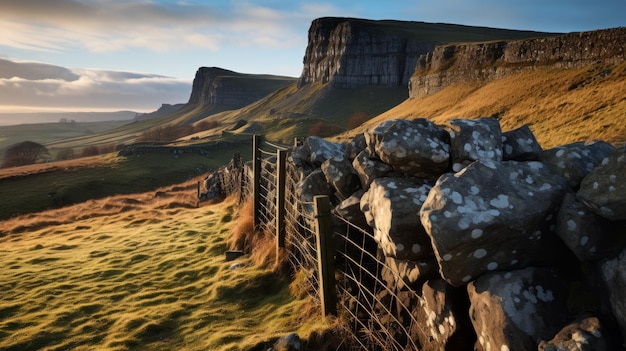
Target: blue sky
{"points": [[171, 39]]}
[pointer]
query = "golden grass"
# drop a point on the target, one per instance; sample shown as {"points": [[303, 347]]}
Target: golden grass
{"points": [[140, 272], [560, 106]]}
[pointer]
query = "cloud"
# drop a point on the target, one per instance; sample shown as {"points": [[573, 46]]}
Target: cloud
{"points": [[43, 86]]}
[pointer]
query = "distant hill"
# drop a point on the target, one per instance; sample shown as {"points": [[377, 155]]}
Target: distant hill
{"points": [[54, 117]]}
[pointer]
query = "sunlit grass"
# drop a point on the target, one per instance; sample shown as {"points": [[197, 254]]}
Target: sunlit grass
{"points": [[560, 106], [137, 272]]}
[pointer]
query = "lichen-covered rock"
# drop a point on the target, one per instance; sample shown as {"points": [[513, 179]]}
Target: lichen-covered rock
{"points": [[443, 318], [516, 310], [520, 145], [350, 209], [614, 276], [312, 185], [404, 273], [355, 146], [391, 207], [585, 334], [574, 161], [341, 176], [603, 190], [492, 216], [315, 150], [585, 233], [417, 148], [368, 168], [473, 140]]}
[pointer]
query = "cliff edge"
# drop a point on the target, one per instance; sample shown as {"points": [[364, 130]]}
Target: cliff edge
{"points": [[351, 53], [484, 62], [213, 85]]}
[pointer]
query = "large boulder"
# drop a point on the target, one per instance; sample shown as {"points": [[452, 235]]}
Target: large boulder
{"points": [[603, 190], [574, 161], [350, 210], [355, 146], [391, 207], [586, 234], [417, 148], [584, 334], [341, 176], [614, 277], [315, 150], [516, 310], [442, 312], [520, 145], [492, 216], [312, 185], [369, 168], [401, 274], [472, 140]]}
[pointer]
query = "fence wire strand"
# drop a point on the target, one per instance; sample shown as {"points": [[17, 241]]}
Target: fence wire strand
{"points": [[376, 316]]}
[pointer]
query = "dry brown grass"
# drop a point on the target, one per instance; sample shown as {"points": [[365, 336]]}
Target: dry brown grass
{"points": [[560, 106]]}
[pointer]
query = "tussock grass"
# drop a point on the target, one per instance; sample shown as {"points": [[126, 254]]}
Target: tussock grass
{"points": [[138, 272], [560, 106]]}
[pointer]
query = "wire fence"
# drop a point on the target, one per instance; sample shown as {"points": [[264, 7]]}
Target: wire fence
{"points": [[375, 312]]}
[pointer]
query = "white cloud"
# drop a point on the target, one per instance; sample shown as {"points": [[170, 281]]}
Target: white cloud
{"points": [[88, 89]]}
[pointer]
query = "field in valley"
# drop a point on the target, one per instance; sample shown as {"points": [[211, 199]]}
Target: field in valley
{"points": [[142, 272]]}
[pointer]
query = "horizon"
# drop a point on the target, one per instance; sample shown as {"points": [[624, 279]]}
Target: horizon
{"points": [[119, 55]]}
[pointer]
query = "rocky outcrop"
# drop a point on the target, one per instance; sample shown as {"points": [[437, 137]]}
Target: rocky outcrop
{"points": [[350, 52], [218, 86], [482, 62], [530, 243], [165, 109]]}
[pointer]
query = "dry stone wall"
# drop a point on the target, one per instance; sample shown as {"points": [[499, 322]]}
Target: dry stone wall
{"points": [[526, 245]]}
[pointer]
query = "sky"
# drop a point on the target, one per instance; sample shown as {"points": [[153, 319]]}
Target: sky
{"points": [[96, 55]]}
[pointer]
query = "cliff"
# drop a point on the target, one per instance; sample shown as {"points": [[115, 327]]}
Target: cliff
{"points": [[484, 62], [350, 53], [218, 86]]}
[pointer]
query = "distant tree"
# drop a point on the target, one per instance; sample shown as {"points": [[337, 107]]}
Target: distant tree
{"points": [[24, 153], [65, 154], [91, 150]]}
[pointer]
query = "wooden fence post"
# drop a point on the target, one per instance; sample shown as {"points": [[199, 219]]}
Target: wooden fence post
{"points": [[281, 158], [256, 181], [325, 253]]}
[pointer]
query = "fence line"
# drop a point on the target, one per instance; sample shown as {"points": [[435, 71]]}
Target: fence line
{"points": [[375, 314]]}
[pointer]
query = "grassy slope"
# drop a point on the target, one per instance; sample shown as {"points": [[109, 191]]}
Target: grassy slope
{"points": [[542, 98], [136, 272], [28, 189]]}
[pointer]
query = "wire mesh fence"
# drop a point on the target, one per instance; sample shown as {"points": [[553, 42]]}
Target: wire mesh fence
{"points": [[375, 312]]}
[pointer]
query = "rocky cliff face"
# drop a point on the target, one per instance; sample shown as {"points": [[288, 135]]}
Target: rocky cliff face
{"points": [[450, 64], [349, 53], [218, 86]]}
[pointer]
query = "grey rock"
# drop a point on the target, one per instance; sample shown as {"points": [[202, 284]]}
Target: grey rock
{"points": [[603, 190], [492, 216], [312, 185], [584, 334], [516, 310], [473, 140], [341, 176], [614, 277], [355, 146], [520, 145], [350, 210], [369, 168], [322, 150], [391, 207], [417, 148], [442, 316], [585, 233], [290, 342], [404, 273], [574, 161]]}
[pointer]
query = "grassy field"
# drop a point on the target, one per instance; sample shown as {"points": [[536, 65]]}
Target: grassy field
{"points": [[38, 187], [560, 106], [138, 272]]}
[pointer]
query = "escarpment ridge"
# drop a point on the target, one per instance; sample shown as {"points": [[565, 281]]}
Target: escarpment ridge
{"points": [[213, 85], [483, 62], [350, 52]]}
